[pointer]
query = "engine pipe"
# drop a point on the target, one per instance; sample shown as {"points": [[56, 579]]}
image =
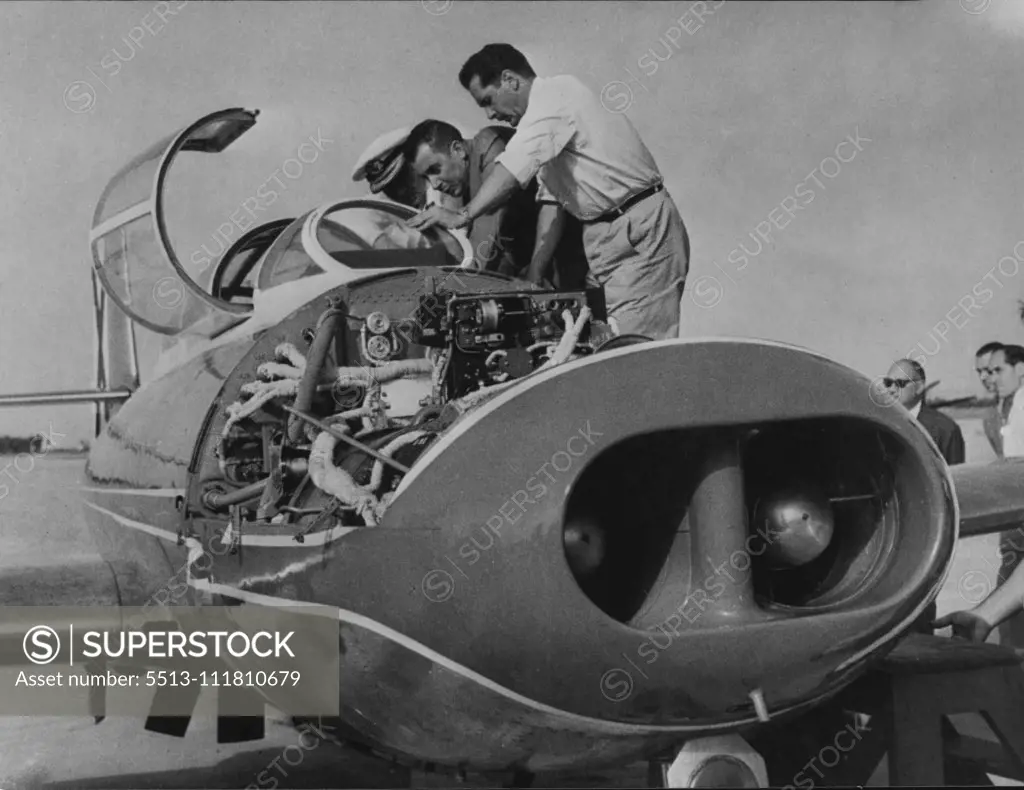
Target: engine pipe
{"points": [[218, 500], [326, 328]]}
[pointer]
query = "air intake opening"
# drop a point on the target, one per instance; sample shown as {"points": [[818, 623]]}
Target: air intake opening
{"points": [[820, 498], [851, 466], [623, 515]]}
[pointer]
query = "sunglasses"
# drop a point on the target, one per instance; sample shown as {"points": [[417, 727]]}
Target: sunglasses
{"points": [[901, 383]]}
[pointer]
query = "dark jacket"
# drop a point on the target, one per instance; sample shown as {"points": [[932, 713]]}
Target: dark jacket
{"points": [[946, 433], [503, 240]]}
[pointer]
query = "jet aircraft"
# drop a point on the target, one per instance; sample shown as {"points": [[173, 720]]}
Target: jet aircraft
{"points": [[548, 547]]}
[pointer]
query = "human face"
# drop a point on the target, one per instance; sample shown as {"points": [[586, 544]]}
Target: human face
{"points": [[901, 385], [1005, 376], [501, 102], [982, 364], [445, 171]]}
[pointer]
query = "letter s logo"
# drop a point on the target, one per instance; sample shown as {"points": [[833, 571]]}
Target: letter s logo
{"points": [[45, 641]]}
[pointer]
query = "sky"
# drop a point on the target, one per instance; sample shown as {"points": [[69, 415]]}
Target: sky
{"points": [[899, 241]]}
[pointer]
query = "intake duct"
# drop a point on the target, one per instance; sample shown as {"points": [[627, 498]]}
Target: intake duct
{"points": [[820, 503]]}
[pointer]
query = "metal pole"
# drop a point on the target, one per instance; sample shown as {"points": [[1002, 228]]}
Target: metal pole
{"points": [[71, 396], [345, 438]]}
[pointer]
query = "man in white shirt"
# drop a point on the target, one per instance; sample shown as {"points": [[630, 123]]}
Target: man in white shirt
{"points": [[592, 164], [995, 415], [1007, 366]]}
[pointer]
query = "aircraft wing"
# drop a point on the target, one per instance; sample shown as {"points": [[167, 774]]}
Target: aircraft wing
{"points": [[991, 496]]}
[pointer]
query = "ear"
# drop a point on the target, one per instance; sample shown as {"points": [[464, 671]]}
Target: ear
{"points": [[510, 79], [458, 148]]}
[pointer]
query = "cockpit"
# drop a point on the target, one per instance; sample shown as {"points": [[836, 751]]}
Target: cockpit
{"points": [[137, 264]]}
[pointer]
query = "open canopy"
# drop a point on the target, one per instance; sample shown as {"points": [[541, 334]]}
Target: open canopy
{"points": [[138, 268], [130, 248]]}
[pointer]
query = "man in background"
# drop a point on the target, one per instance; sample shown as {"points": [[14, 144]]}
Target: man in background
{"points": [[1007, 366], [1006, 371], [994, 418], [503, 239], [905, 382]]}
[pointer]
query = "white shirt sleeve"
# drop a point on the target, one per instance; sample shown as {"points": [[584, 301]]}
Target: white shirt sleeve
{"points": [[546, 127], [1013, 432]]}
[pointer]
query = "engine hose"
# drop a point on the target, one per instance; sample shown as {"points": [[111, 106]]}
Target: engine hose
{"points": [[326, 328], [337, 482], [377, 474]]}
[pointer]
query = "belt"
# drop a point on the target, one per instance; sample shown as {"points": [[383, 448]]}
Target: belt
{"points": [[626, 205]]}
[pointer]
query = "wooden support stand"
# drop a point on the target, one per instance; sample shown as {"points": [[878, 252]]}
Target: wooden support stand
{"points": [[904, 701], [926, 678]]}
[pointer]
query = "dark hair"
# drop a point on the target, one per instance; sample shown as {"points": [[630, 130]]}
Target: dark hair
{"points": [[489, 62], [439, 135], [988, 348], [1014, 354]]}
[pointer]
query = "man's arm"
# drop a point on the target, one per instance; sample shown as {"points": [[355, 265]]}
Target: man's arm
{"points": [[1007, 600], [495, 191], [550, 224], [976, 624], [547, 128]]}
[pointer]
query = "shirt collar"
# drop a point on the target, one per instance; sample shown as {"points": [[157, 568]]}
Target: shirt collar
{"points": [[916, 410]]}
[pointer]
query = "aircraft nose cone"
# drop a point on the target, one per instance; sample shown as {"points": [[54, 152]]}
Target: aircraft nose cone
{"points": [[798, 524], [584, 546]]}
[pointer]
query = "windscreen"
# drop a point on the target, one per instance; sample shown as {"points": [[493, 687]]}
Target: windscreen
{"points": [[362, 229], [356, 236]]}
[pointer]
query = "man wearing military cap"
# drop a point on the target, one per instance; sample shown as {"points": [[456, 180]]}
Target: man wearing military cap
{"points": [[384, 166]]}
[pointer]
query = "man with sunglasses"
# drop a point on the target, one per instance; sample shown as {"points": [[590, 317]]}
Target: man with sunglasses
{"points": [[905, 383]]}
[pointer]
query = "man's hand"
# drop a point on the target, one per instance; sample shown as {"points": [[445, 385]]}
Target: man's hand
{"points": [[966, 625], [437, 215]]}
